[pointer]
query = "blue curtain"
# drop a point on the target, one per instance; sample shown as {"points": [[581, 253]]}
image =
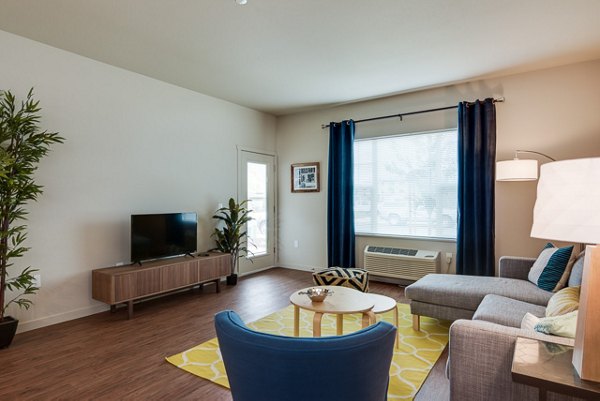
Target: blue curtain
{"points": [[340, 195], [475, 253]]}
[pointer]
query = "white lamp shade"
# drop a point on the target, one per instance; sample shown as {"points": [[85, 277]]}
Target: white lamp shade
{"points": [[517, 170], [568, 201]]}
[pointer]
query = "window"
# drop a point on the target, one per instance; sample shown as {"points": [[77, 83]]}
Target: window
{"points": [[406, 185], [257, 203]]}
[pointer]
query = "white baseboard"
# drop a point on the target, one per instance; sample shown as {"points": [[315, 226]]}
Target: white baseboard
{"points": [[306, 268], [256, 271], [60, 317]]}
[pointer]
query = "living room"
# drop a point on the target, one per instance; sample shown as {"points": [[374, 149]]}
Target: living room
{"points": [[136, 144]]}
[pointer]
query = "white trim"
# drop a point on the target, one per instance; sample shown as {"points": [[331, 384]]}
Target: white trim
{"points": [[305, 268], [275, 246], [61, 317], [255, 150], [240, 148], [374, 138], [406, 237], [257, 271], [256, 256]]}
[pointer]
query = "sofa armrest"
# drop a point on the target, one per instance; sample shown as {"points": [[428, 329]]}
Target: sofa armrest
{"points": [[514, 267], [480, 360]]}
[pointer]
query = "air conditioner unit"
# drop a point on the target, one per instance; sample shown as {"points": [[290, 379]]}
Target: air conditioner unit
{"points": [[406, 264]]}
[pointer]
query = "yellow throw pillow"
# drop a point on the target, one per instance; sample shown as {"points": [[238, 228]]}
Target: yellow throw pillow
{"points": [[564, 301]]}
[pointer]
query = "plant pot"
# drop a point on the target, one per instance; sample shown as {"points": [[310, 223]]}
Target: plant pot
{"points": [[232, 279], [8, 328]]}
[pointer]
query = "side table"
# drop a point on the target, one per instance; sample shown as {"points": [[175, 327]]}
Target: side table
{"points": [[548, 366], [385, 304]]}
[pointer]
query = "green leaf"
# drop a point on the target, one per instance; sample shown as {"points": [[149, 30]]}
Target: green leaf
{"points": [[22, 145], [230, 235]]}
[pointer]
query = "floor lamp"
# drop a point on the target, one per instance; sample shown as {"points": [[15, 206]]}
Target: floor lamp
{"points": [[567, 208], [519, 169]]}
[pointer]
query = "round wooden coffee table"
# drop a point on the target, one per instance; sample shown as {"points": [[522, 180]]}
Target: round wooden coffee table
{"points": [[342, 301]]}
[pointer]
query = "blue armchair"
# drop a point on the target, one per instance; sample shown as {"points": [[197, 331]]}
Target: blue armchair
{"points": [[265, 367]]}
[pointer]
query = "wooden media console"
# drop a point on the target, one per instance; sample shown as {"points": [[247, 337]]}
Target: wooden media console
{"points": [[125, 284]]}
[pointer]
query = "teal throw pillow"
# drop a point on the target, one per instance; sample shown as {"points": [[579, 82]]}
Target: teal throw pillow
{"points": [[549, 268]]}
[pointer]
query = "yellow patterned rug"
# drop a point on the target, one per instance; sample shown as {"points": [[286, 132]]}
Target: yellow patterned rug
{"points": [[412, 361]]}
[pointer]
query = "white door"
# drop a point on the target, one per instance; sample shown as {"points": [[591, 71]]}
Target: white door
{"points": [[256, 180]]}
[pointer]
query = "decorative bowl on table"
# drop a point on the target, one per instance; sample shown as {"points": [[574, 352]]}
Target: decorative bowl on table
{"points": [[317, 294]]}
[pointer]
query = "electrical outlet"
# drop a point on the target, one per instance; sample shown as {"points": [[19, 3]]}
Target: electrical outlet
{"points": [[449, 257], [296, 244], [219, 206], [37, 280]]}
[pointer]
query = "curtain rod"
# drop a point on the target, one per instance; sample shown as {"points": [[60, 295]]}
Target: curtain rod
{"points": [[400, 115]]}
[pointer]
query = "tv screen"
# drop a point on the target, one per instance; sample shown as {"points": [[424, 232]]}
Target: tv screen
{"points": [[156, 236]]}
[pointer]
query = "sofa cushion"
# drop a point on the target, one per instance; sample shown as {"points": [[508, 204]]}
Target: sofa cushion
{"points": [[506, 311], [551, 269], [467, 292], [564, 301]]}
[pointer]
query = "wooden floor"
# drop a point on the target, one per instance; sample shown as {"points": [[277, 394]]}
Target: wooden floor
{"points": [[106, 357]]}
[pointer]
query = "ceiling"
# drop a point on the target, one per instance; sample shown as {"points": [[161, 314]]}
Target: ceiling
{"points": [[283, 56]]}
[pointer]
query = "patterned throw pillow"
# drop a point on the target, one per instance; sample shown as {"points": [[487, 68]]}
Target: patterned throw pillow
{"points": [[549, 271], [563, 325], [564, 301]]}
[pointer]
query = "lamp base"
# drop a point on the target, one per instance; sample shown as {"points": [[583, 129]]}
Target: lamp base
{"points": [[586, 354]]}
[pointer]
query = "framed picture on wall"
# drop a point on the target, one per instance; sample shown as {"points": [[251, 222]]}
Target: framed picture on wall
{"points": [[305, 177]]}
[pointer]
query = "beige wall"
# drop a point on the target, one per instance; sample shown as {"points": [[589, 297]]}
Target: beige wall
{"points": [[137, 145], [554, 111], [133, 145]]}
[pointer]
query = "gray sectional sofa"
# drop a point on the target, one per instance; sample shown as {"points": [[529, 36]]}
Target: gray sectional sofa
{"points": [[488, 312], [452, 297]]}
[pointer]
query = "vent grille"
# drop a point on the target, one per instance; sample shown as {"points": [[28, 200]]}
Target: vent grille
{"points": [[407, 264], [392, 251]]}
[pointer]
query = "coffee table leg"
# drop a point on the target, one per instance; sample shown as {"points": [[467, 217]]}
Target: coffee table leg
{"points": [[367, 318], [317, 324], [296, 321], [339, 325]]}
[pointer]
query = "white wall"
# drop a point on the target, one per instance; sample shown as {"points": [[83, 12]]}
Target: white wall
{"points": [[133, 145], [554, 111]]}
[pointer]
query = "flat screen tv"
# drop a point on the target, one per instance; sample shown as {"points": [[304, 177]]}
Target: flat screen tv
{"points": [[155, 236]]}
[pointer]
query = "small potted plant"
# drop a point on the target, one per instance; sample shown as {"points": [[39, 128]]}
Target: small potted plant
{"points": [[22, 146], [231, 237]]}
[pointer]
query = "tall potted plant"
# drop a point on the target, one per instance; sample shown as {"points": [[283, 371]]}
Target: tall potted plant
{"points": [[22, 145], [231, 236]]}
